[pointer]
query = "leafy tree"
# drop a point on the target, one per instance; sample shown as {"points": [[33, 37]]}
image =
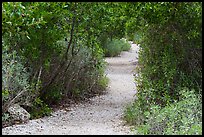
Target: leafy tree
{"points": [[170, 55], [59, 44]]}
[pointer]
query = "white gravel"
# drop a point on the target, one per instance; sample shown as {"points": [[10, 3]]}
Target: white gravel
{"points": [[101, 116]]}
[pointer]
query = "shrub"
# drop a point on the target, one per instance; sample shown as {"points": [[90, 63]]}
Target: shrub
{"points": [[16, 87], [83, 78], [103, 82], [134, 114], [39, 109], [179, 118], [114, 47], [54, 94], [125, 45], [170, 58], [90, 67]]}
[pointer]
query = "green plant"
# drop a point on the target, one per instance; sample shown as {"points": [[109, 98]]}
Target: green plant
{"points": [[134, 114], [52, 37], [16, 87], [169, 59], [54, 95], [39, 109], [5, 117], [163, 54], [125, 45], [103, 82], [114, 47], [56, 49], [179, 118]]}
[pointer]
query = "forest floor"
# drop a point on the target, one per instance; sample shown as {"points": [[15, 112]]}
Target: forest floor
{"points": [[101, 115]]}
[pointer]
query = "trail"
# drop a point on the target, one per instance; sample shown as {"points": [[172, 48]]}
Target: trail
{"points": [[102, 115]]}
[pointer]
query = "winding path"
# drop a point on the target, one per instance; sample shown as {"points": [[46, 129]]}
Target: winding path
{"points": [[102, 115]]}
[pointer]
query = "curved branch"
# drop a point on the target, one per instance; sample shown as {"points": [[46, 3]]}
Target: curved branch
{"points": [[63, 61]]}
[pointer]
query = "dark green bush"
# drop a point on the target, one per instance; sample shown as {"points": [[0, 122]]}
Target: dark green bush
{"points": [[54, 95], [170, 58], [39, 109], [114, 47], [167, 62]]}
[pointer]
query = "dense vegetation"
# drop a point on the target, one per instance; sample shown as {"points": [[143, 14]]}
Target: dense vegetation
{"points": [[169, 80], [53, 52]]}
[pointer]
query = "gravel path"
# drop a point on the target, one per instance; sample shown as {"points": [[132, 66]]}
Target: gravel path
{"points": [[102, 115]]}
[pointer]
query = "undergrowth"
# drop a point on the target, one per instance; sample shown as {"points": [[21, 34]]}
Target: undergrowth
{"points": [[182, 117]]}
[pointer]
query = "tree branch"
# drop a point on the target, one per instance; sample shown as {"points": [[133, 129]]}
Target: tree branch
{"points": [[65, 56]]}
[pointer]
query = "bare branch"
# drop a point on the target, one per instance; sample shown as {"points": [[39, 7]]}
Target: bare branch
{"points": [[6, 106]]}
